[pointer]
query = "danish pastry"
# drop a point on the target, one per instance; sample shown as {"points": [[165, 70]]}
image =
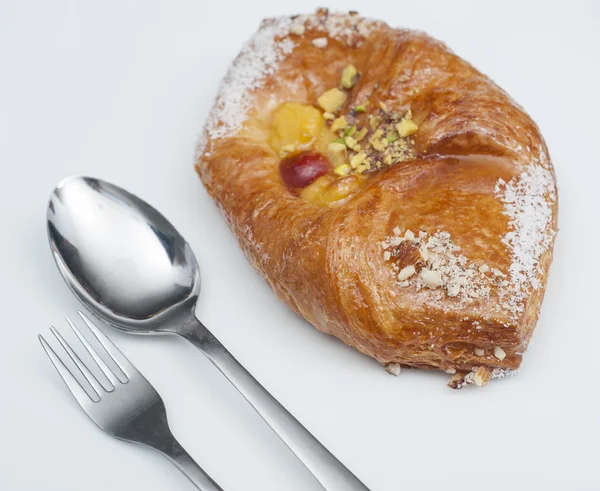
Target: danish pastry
{"points": [[388, 192]]}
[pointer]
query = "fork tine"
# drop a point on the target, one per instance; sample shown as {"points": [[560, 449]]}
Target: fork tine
{"points": [[119, 358], [85, 371], [74, 386], [110, 375]]}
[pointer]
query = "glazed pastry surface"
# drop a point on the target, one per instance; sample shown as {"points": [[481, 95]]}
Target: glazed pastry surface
{"points": [[436, 257]]}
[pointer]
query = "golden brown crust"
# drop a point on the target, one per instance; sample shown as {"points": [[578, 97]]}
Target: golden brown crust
{"points": [[482, 182]]}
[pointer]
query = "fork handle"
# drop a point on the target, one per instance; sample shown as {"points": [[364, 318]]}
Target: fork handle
{"points": [[327, 469], [178, 456]]}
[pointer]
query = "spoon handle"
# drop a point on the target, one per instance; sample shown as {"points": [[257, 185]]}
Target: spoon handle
{"points": [[326, 468]]}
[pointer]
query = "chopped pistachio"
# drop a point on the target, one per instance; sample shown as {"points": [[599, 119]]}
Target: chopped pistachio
{"points": [[337, 147], [388, 159], [406, 128], [357, 159], [383, 106], [332, 100], [349, 76], [339, 140], [350, 131], [361, 134], [362, 168], [328, 116], [376, 136], [379, 145], [339, 124], [361, 108], [374, 121], [377, 142], [350, 142], [342, 170], [391, 137]]}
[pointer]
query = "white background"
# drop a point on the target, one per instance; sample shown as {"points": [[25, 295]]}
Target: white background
{"points": [[120, 90]]}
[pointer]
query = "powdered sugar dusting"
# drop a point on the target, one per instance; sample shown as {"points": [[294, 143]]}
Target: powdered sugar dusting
{"points": [[347, 28], [258, 59], [528, 203]]}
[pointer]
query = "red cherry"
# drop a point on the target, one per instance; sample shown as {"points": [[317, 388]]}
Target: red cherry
{"points": [[300, 170]]}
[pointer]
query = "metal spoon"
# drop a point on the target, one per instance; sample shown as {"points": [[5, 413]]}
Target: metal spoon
{"points": [[131, 268]]}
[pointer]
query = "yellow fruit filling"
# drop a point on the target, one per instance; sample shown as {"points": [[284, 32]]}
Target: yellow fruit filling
{"points": [[296, 127]]}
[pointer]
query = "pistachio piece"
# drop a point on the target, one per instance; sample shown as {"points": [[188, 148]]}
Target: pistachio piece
{"points": [[339, 124], [349, 76], [350, 142], [377, 142], [342, 170], [328, 116], [362, 168], [361, 134], [358, 159], [406, 128], [332, 100], [391, 137], [350, 131], [360, 109], [377, 135], [374, 121], [379, 145], [337, 147]]}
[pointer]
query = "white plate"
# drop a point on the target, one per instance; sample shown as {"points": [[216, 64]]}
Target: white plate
{"points": [[119, 90]]}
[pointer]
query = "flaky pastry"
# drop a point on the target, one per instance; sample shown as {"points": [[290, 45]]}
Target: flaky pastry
{"points": [[388, 192]]}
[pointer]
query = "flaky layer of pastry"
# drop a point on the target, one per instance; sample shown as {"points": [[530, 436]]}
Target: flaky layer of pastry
{"points": [[478, 203]]}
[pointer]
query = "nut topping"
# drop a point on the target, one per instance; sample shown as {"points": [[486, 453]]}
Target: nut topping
{"points": [[406, 273], [499, 353], [350, 76], [431, 279], [332, 100]]}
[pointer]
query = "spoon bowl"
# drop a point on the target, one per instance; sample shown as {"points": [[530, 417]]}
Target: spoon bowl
{"points": [[121, 257], [129, 266]]}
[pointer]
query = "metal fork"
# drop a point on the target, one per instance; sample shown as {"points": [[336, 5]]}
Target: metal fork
{"points": [[130, 408]]}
